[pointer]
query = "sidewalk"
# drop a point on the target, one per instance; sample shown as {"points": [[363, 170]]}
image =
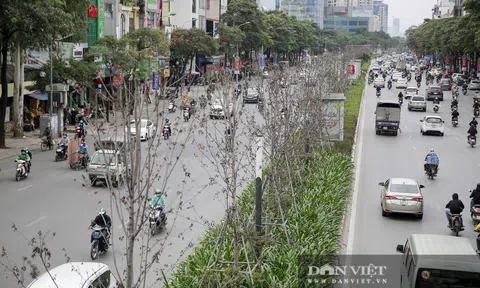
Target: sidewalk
{"points": [[30, 140]]}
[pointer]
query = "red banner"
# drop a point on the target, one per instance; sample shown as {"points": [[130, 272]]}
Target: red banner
{"points": [[447, 60], [351, 69], [237, 64], [478, 64], [464, 61]]}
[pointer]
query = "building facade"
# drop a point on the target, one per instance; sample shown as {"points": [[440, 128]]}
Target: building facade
{"points": [[347, 24], [376, 23], [312, 10], [396, 27], [362, 3], [381, 10]]}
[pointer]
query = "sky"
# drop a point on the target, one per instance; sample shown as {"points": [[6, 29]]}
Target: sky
{"points": [[410, 12]]}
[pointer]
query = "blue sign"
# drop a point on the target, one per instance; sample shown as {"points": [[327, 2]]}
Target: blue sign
{"points": [[155, 82], [262, 61]]}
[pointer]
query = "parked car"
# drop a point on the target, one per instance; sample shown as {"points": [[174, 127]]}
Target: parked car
{"points": [[401, 195], [445, 84], [379, 82], [474, 85], [401, 83], [411, 91], [417, 102], [251, 96], [147, 129], [432, 125], [460, 79], [433, 92], [76, 275]]}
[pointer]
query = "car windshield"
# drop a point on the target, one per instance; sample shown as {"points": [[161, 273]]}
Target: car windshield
{"points": [[100, 158], [403, 188], [251, 91], [418, 99], [402, 81], [143, 124], [475, 81], [411, 90], [217, 102], [446, 278], [434, 120]]}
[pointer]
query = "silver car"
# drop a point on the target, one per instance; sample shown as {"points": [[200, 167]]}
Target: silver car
{"points": [[379, 82], [417, 103], [474, 85], [410, 92], [401, 195], [251, 96]]}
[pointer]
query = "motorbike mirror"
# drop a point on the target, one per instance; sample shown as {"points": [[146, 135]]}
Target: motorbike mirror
{"points": [[381, 184], [421, 120], [400, 249], [443, 121], [421, 186]]}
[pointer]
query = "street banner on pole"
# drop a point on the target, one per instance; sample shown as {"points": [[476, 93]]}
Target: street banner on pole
{"points": [[262, 62], [155, 81]]}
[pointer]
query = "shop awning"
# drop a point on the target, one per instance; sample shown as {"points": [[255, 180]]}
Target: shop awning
{"points": [[39, 95]]}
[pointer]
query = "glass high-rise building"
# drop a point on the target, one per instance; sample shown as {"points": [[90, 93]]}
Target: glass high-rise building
{"points": [[381, 10], [312, 10]]}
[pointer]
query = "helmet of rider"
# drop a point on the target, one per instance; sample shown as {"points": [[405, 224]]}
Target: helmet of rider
{"points": [[80, 122], [102, 211], [158, 192], [166, 120], [23, 151], [455, 196], [432, 150]]}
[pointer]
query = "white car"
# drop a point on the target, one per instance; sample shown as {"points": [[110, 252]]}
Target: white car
{"points": [[411, 91], [413, 68], [147, 129], [217, 109], [76, 275], [396, 76], [432, 125], [401, 83], [379, 82]]}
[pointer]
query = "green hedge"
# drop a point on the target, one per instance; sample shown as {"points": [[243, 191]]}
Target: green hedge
{"points": [[321, 199], [352, 108]]}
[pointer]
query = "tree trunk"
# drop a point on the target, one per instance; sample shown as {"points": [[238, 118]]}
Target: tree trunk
{"points": [[4, 84], [18, 94], [130, 242]]}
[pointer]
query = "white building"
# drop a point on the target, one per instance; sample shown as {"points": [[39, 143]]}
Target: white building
{"points": [[362, 3], [396, 27], [381, 10], [376, 23]]}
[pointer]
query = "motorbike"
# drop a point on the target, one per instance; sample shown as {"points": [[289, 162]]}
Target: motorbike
{"points": [[454, 107], [436, 107], [79, 132], [166, 132], [46, 144], [464, 91], [476, 112], [455, 122], [419, 84], [61, 153], [457, 93], [98, 243], [389, 86], [370, 81], [400, 101], [157, 219], [82, 162], [21, 171], [171, 108], [378, 93], [475, 212], [431, 171], [456, 226], [186, 116], [472, 140]]}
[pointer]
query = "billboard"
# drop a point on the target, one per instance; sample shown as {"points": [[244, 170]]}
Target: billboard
{"points": [[333, 115], [362, 11]]}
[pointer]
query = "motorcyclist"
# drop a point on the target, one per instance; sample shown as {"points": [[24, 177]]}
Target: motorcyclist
{"points": [[455, 114], [436, 101], [454, 207], [472, 132], [83, 148], [82, 126], [476, 105], [64, 142], [379, 90], [24, 157], [454, 103], [168, 124], [187, 111], [172, 103], [158, 201], [400, 96], [390, 82], [465, 86], [473, 122], [431, 159], [103, 220], [475, 195]]}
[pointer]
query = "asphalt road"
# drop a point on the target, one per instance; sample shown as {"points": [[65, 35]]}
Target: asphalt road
{"points": [[382, 157], [53, 200]]}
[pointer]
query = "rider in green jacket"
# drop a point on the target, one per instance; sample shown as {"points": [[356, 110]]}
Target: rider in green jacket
{"points": [[25, 157], [158, 199]]}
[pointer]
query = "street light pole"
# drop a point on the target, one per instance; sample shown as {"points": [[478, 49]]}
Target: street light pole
{"points": [[51, 84]]}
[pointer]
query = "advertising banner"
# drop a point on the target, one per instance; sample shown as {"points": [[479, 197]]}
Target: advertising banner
{"points": [[262, 61], [152, 5], [464, 63], [478, 67], [447, 60]]}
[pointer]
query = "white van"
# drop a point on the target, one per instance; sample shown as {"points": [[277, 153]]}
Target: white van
{"points": [[76, 275], [433, 261]]}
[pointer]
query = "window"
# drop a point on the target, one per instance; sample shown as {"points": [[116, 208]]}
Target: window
{"points": [[123, 24], [202, 4], [151, 16], [404, 188], [410, 266], [353, 23], [362, 23], [194, 23], [328, 22], [131, 23], [194, 6], [108, 10], [344, 22], [102, 282], [208, 4]]}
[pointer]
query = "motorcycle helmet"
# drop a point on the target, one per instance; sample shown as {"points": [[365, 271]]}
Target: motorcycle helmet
{"points": [[166, 121], [102, 211], [432, 150], [23, 152], [158, 191]]}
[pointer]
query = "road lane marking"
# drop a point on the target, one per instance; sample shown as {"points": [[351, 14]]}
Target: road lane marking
{"points": [[466, 150], [359, 147], [414, 148], [24, 188], [36, 221]]}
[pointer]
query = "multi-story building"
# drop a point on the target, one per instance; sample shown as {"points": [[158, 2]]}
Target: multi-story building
{"points": [[362, 3], [381, 10], [312, 10], [347, 24], [376, 23], [396, 27]]}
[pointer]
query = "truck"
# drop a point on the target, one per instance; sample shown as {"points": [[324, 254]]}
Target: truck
{"points": [[387, 117]]}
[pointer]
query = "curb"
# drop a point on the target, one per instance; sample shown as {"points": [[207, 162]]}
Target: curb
{"points": [[347, 216]]}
